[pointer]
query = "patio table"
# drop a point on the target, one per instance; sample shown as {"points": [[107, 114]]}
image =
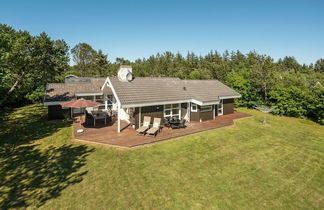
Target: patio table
{"points": [[174, 123], [99, 116]]}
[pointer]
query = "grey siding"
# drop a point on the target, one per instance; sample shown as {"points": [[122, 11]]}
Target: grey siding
{"points": [[152, 111], [196, 116], [228, 106], [56, 112], [206, 115]]}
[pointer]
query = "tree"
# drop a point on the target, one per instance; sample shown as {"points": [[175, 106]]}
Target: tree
{"points": [[28, 61], [262, 75], [319, 65], [83, 56], [15, 57], [101, 64]]}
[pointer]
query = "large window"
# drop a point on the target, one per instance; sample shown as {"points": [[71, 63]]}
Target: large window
{"points": [[172, 110], [109, 99], [99, 98], [206, 108], [85, 97]]}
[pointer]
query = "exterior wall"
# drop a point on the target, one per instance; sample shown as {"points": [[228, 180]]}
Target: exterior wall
{"points": [[196, 116], [184, 107], [152, 111], [228, 106], [56, 112], [157, 111], [207, 115]]}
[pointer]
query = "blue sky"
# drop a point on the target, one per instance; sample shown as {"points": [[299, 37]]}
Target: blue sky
{"points": [[136, 29]]}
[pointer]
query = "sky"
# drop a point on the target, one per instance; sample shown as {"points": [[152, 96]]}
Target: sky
{"points": [[137, 29]]}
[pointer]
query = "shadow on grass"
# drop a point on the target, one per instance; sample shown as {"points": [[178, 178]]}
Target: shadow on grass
{"points": [[29, 174]]}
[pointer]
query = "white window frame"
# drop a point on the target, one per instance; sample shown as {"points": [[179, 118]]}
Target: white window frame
{"points": [[208, 110], [194, 105], [171, 111], [220, 107]]}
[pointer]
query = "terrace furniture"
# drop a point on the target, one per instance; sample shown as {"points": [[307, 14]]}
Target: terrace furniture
{"points": [[167, 122], [156, 127], [80, 103], [175, 123], [96, 115], [99, 116], [146, 125]]}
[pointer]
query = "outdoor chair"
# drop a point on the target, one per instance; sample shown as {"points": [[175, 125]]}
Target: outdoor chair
{"points": [[182, 123], [146, 125], [178, 124], [167, 122], [156, 127]]}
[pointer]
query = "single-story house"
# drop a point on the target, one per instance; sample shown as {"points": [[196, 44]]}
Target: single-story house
{"points": [[133, 98]]}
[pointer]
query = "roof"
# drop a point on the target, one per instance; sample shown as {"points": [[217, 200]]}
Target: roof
{"points": [[66, 91], [143, 90]]}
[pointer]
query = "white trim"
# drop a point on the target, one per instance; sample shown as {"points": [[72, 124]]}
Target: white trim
{"points": [[210, 106], [115, 94], [103, 86], [140, 115], [155, 103], [220, 103], [228, 97], [53, 103], [170, 102], [88, 94], [118, 119], [214, 108], [106, 104], [171, 110], [210, 103], [192, 105], [196, 102], [189, 111]]}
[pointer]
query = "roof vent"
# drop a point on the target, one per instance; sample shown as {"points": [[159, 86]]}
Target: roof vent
{"points": [[75, 79], [125, 73]]}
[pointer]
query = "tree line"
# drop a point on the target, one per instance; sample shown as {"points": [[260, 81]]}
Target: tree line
{"points": [[28, 62]]}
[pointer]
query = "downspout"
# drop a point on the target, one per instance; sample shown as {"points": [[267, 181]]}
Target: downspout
{"points": [[118, 118]]}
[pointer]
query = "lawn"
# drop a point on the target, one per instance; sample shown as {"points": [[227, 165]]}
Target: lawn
{"points": [[246, 166]]}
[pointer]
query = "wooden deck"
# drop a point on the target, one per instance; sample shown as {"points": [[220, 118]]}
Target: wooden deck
{"points": [[128, 138]]}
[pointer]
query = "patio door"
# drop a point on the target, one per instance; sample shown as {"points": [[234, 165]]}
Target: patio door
{"points": [[220, 108], [172, 111]]}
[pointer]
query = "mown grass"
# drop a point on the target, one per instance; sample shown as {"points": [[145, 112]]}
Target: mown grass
{"points": [[246, 166]]}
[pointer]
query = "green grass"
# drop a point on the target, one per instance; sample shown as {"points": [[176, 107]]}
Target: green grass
{"points": [[246, 166]]}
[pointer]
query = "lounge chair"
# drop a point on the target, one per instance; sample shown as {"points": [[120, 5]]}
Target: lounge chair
{"points": [[156, 127], [146, 125]]}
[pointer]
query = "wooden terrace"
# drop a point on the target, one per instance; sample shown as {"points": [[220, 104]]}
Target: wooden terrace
{"points": [[107, 134]]}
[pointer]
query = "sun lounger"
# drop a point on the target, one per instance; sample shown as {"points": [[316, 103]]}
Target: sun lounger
{"points": [[156, 127], [146, 125]]}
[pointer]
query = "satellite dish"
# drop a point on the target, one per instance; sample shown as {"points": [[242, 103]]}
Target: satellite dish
{"points": [[129, 76], [125, 73]]}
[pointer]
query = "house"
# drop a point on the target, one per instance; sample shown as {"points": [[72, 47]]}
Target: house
{"points": [[133, 98]]}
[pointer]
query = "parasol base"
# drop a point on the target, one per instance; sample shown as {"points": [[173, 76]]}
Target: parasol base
{"points": [[80, 131]]}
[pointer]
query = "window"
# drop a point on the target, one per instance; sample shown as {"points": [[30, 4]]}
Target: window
{"points": [[109, 99], [85, 97], [99, 98], [220, 108], [206, 108], [194, 108], [172, 110]]}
